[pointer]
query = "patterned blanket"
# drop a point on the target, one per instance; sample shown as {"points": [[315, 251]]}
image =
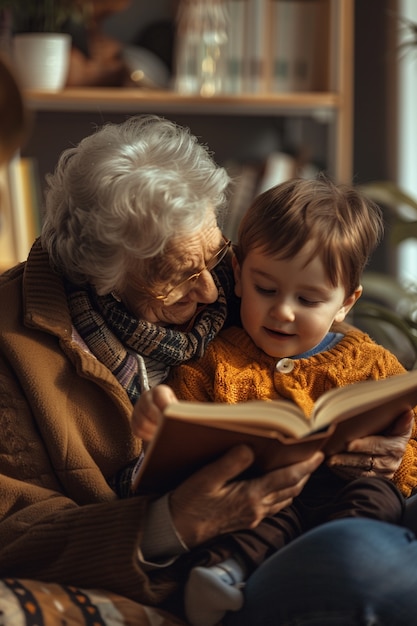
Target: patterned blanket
{"points": [[32, 603]]}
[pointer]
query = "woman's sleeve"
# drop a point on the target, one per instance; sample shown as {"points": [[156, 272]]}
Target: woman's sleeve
{"points": [[59, 519]]}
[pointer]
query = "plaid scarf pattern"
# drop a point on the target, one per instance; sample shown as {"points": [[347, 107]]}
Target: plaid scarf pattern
{"points": [[115, 337]]}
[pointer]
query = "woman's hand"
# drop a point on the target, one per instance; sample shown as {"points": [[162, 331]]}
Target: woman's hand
{"points": [[147, 412], [210, 502], [378, 455]]}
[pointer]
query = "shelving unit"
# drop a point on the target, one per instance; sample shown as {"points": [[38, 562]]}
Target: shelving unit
{"points": [[245, 126], [332, 107], [324, 107], [116, 99]]}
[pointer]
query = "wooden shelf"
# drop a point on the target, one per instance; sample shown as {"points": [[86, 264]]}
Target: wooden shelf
{"points": [[244, 127], [130, 100], [331, 104]]}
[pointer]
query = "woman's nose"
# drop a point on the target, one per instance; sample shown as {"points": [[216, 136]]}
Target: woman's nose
{"points": [[205, 289]]}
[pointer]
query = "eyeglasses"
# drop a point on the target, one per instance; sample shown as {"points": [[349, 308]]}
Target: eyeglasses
{"points": [[179, 291]]}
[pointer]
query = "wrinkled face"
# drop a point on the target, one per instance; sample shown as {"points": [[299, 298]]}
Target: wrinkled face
{"points": [[288, 306], [184, 258]]}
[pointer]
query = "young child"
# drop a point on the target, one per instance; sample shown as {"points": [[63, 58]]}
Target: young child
{"points": [[302, 247]]}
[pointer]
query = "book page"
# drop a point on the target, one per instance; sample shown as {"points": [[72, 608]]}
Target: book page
{"points": [[366, 408], [255, 416]]}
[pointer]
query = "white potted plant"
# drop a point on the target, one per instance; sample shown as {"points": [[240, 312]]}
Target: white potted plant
{"points": [[40, 46]]}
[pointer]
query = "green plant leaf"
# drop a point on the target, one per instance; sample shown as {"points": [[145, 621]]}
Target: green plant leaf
{"points": [[400, 231], [388, 193], [42, 15]]}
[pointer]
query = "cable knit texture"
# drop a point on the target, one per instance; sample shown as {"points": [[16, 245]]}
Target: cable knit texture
{"points": [[235, 370]]}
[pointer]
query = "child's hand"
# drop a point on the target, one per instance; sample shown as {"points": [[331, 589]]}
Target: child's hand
{"points": [[148, 410]]}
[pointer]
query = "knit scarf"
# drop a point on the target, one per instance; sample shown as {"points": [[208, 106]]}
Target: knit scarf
{"points": [[115, 337]]}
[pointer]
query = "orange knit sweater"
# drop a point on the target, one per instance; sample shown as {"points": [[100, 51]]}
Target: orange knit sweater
{"points": [[234, 369]]}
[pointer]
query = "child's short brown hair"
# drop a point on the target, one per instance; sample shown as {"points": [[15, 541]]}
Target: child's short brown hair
{"points": [[344, 226]]}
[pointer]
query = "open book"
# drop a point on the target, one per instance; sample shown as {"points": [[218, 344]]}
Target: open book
{"points": [[191, 434]]}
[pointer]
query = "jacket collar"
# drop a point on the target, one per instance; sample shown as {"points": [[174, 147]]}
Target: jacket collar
{"points": [[45, 302]]}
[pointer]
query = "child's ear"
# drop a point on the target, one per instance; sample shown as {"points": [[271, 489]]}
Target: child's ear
{"points": [[348, 304], [237, 274]]}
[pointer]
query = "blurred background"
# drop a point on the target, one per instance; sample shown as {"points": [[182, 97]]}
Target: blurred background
{"points": [[371, 64]]}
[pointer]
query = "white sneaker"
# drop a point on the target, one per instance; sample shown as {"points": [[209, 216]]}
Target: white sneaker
{"points": [[209, 593]]}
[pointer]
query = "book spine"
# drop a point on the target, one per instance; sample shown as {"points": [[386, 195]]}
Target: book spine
{"points": [[278, 168], [8, 256], [294, 25], [246, 178], [32, 196], [305, 28], [25, 204], [235, 49], [256, 49]]}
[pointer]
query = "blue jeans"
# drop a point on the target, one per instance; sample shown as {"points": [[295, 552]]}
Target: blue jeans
{"points": [[350, 572]]}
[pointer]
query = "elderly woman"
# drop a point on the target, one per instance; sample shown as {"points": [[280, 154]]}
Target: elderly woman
{"points": [[120, 283], [130, 278]]}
